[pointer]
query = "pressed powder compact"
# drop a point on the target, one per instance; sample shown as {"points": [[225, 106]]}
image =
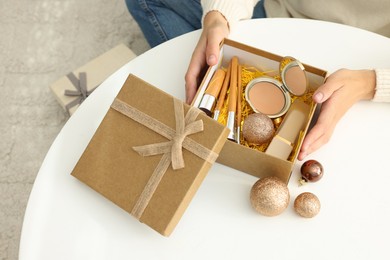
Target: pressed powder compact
{"points": [[272, 97], [265, 95]]}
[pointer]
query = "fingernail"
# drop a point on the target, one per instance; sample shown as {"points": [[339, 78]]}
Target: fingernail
{"points": [[318, 97], [211, 60]]}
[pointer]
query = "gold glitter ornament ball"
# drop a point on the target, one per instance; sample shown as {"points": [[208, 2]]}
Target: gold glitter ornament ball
{"points": [[307, 205], [258, 128], [269, 196]]}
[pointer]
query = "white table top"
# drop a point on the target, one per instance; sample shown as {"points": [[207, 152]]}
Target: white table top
{"points": [[65, 219]]}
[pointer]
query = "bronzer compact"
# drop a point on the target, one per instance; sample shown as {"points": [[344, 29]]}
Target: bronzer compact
{"points": [[271, 96]]}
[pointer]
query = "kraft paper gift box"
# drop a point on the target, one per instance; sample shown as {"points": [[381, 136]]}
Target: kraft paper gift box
{"points": [[242, 158], [72, 89], [150, 154]]}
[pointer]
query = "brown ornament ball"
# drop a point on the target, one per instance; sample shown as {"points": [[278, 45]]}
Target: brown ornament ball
{"points": [[312, 171], [307, 205], [269, 196], [258, 128]]}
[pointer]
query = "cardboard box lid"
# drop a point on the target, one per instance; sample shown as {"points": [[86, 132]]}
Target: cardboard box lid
{"points": [[112, 167]]}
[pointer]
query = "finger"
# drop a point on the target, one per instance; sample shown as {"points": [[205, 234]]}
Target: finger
{"points": [[326, 90], [314, 135], [194, 69], [191, 81], [320, 133], [212, 49], [207, 51]]}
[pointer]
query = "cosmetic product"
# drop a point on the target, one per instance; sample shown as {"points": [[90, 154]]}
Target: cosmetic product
{"points": [[293, 76], [272, 97], [293, 123], [222, 94], [265, 95], [212, 91], [232, 105], [238, 116]]}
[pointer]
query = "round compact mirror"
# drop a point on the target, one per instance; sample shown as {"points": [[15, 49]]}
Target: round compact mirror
{"points": [[293, 76]]}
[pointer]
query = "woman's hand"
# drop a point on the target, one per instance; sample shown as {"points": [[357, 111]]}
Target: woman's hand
{"points": [[215, 29], [340, 91]]}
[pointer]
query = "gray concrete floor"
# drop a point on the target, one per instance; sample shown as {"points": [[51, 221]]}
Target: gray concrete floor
{"points": [[42, 40]]}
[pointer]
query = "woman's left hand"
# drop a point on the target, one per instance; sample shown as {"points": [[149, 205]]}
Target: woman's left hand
{"points": [[340, 91]]}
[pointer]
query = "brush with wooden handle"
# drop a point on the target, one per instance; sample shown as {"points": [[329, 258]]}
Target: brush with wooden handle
{"points": [[212, 91], [239, 95], [232, 105], [222, 94]]}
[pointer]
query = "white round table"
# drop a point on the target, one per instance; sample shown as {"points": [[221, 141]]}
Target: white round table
{"points": [[65, 219]]}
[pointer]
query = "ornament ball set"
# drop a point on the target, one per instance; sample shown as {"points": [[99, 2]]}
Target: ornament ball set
{"points": [[270, 196]]}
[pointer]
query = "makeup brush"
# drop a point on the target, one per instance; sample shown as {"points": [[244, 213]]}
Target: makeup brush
{"points": [[222, 94], [232, 99], [239, 93], [212, 91]]}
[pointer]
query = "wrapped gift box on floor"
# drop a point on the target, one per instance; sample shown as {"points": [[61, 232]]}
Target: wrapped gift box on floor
{"points": [[149, 158], [72, 89]]}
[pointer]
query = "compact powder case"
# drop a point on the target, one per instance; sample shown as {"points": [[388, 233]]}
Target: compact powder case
{"points": [[272, 97]]}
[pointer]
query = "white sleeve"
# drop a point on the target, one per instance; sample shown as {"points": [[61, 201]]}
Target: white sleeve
{"points": [[232, 10], [382, 91]]}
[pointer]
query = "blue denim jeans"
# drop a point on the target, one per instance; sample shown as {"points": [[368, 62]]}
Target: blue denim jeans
{"points": [[162, 20]]}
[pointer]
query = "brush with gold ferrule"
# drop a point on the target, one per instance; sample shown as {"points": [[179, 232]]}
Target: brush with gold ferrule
{"points": [[239, 96], [212, 91], [232, 105]]}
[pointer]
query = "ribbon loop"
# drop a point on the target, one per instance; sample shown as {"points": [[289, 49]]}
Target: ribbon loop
{"points": [[177, 153], [184, 127]]}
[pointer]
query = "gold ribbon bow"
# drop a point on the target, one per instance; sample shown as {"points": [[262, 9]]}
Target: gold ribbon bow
{"points": [[171, 150]]}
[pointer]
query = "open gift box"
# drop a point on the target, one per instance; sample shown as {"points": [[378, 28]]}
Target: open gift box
{"points": [[247, 159], [150, 158]]}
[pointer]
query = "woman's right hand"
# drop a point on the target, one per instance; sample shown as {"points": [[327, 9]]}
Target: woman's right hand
{"points": [[215, 29]]}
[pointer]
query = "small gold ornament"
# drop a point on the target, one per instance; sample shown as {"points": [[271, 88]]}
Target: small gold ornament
{"points": [[307, 205], [269, 196]]}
